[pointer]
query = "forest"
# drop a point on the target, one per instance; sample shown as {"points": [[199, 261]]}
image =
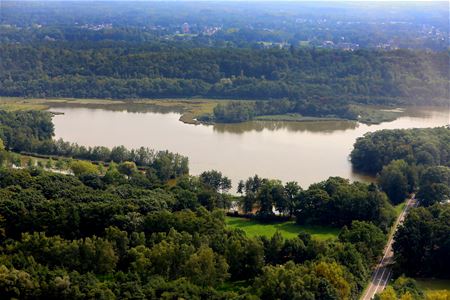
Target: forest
{"points": [[426, 230], [80, 222], [407, 160], [64, 238], [125, 233], [413, 161], [308, 76], [132, 233], [427, 146]]}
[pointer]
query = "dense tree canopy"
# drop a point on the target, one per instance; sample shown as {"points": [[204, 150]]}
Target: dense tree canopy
{"points": [[337, 202], [141, 71], [434, 185], [427, 146], [422, 243], [117, 231], [234, 112], [61, 237], [334, 202], [408, 159], [398, 180]]}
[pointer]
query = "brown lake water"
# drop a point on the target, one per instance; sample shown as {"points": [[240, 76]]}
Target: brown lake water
{"points": [[305, 152]]}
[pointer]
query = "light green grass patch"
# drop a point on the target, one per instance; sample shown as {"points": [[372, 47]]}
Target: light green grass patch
{"points": [[430, 284], [287, 229], [399, 208]]}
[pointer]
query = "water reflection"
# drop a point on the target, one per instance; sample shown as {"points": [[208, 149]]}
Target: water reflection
{"points": [[305, 152], [258, 126]]}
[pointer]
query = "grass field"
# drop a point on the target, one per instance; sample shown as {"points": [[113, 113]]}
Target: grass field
{"points": [[15, 104], [287, 229], [429, 285], [399, 207]]}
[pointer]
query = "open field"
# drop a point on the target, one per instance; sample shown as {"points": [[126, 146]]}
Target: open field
{"points": [[430, 285], [287, 229], [14, 104]]}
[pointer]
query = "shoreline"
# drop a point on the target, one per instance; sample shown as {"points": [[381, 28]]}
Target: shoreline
{"points": [[191, 109]]}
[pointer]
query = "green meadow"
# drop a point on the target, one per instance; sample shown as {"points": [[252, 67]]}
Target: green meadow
{"points": [[288, 229]]}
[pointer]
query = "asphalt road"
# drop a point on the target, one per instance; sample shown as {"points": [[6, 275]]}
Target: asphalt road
{"points": [[382, 273]]}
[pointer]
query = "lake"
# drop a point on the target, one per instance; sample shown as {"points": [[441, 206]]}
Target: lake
{"points": [[305, 152]]}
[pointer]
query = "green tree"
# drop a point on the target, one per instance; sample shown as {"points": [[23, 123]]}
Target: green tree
{"points": [[292, 191], [394, 181], [216, 181], [49, 163], [206, 268], [407, 288], [245, 256], [60, 165], [387, 294], [16, 283], [421, 244], [81, 167], [127, 168], [240, 187], [434, 185], [367, 238], [273, 248]]}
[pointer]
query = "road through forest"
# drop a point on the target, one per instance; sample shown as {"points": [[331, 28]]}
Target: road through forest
{"points": [[382, 273]]}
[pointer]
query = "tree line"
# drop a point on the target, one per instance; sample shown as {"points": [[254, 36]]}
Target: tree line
{"points": [[333, 202], [427, 146], [422, 243], [33, 131], [234, 112], [129, 70]]}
